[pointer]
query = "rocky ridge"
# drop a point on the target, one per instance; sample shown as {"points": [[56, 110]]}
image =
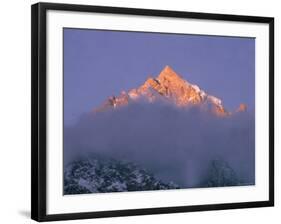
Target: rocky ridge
{"points": [[170, 87]]}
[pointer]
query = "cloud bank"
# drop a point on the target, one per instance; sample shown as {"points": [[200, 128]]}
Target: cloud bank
{"points": [[174, 144]]}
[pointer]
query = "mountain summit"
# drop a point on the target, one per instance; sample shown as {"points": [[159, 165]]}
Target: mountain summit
{"points": [[168, 86]]}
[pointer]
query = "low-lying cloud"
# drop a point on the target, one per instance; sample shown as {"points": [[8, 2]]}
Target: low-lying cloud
{"points": [[174, 144]]}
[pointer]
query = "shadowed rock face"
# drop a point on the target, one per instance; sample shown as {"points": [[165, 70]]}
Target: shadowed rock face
{"points": [[171, 87], [100, 175]]}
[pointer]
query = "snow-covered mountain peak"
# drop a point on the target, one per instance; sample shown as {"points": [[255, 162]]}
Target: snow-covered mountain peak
{"points": [[171, 87]]}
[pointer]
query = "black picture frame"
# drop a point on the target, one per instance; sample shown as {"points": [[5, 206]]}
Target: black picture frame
{"points": [[38, 70]]}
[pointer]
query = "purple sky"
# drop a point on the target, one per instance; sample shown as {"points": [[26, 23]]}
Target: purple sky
{"points": [[98, 64]]}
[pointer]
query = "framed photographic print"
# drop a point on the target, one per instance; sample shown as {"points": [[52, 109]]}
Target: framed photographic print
{"points": [[140, 111]]}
